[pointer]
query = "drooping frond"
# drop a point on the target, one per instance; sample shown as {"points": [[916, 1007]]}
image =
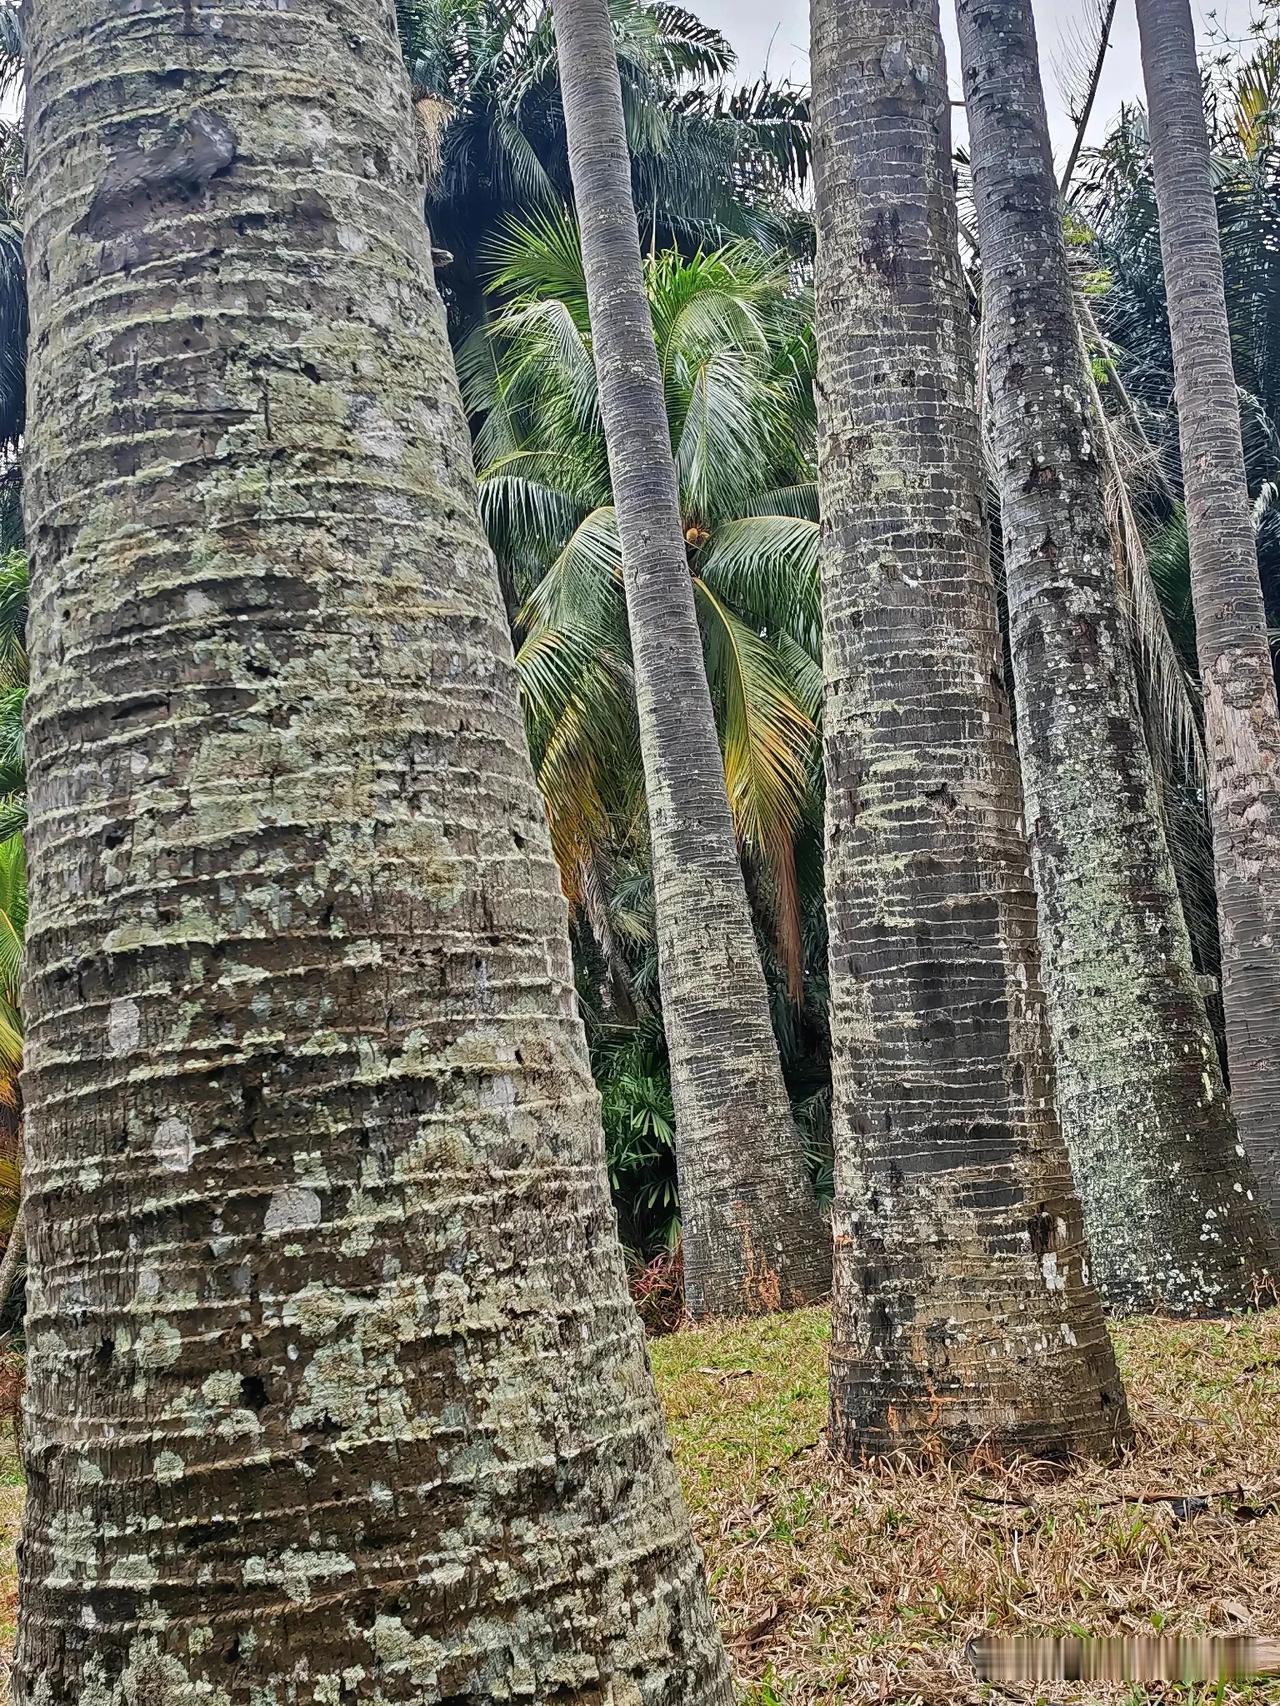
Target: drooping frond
{"points": [[13, 917], [768, 741], [767, 567], [585, 579], [13, 336]]}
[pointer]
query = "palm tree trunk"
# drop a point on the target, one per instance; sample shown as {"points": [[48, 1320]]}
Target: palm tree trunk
{"points": [[753, 1235], [11, 1264], [963, 1307], [1170, 1207], [1242, 729], [335, 1386]]}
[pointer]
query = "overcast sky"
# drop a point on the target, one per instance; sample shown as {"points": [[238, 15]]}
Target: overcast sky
{"points": [[775, 33]]}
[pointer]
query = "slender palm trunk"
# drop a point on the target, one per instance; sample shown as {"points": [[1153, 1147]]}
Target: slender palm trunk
{"points": [[15, 1251], [1242, 729], [1170, 1207], [753, 1236], [335, 1388], [963, 1306]]}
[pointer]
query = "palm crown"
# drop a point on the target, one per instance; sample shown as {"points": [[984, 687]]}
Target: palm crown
{"points": [[736, 354]]}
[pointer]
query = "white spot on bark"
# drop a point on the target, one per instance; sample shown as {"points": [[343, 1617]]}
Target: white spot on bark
{"points": [[296, 1570], [222, 1387], [173, 1145], [122, 1026], [169, 1467], [291, 1209], [1054, 1276], [158, 1345]]}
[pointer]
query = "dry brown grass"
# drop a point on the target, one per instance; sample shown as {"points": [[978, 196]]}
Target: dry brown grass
{"points": [[846, 1585], [10, 1518], [852, 1586]]}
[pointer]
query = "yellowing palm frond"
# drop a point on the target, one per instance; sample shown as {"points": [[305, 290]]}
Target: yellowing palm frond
{"points": [[768, 743]]}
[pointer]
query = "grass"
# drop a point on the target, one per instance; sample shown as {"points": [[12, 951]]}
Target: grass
{"points": [[842, 1584], [838, 1584], [10, 1517]]}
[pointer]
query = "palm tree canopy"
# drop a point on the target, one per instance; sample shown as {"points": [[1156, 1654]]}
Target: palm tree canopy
{"points": [[736, 354], [1116, 201], [709, 160]]}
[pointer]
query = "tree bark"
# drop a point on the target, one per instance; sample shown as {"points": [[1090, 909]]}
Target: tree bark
{"points": [[754, 1237], [336, 1392], [1170, 1205], [1242, 729], [11, 1264], [963, 1306]]}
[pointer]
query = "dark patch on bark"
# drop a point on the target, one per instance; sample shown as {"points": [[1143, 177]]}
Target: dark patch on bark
{"points": [[1040, 1229], [143, 180], [884, 250]]}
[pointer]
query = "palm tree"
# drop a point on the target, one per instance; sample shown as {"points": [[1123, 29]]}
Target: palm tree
{"points": [[1143, 1106], [708, 160], [963, 1308], [1242, 725], [13, 289], [735, 349], [331, 1351], [753, 1235]]}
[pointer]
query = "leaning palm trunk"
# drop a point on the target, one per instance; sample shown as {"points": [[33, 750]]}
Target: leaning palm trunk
{"points": [[754, 1238], [963, 1307], [335, 1386], [1170, 1209], [14, 1255], [1242, 729]]}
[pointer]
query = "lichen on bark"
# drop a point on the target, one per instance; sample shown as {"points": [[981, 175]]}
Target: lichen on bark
{"points": [[753, 1236], [1170, 1203], [963, 1305], [1242, 725], [335, 1389]]}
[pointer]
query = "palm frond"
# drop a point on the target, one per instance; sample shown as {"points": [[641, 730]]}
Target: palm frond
{"points": [[766, 566], [767, 739]]}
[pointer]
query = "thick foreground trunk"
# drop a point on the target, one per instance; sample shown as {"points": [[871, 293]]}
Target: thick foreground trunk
{"points": [[1242, 730], [336, 1392], [1170, 1208], [963, 1306], [754, 1238]]}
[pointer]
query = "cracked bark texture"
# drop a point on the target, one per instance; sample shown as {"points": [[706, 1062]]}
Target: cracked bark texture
{"points": [[1170, 1205], [1242, 729], [754, 1236], [335, 1390], [963, 1307]]}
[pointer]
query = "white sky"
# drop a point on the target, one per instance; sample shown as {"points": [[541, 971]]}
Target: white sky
{"points": [[775, 33]]}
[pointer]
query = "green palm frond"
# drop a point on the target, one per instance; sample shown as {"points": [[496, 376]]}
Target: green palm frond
{"points": [[720, 439], [528, 499], [767, 567], [14, 596], [13, 916], [584, 581], [13, 335], [538, 257], [737, 369], [769, 742]]}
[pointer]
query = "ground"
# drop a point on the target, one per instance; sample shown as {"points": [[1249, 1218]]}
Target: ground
{"points": [[840, 1585]]}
